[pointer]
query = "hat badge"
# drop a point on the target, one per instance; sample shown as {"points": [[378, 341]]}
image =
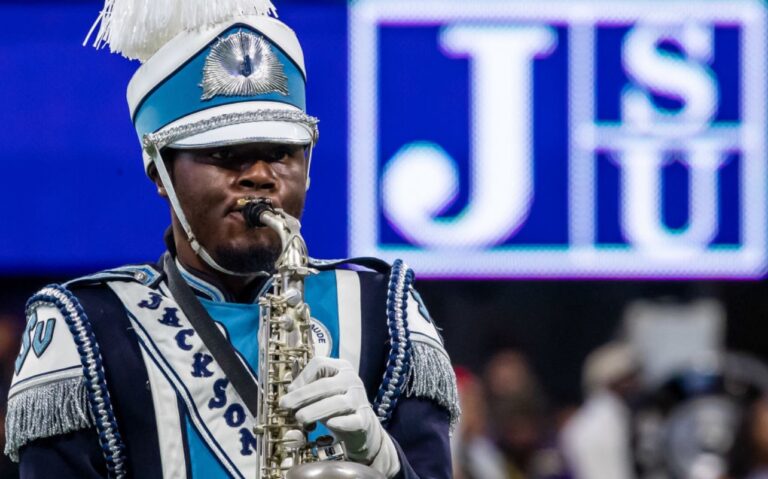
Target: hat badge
{"points": [[242, 64]]}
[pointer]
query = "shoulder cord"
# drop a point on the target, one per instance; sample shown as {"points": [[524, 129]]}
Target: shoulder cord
{"points": [[399, 360]]}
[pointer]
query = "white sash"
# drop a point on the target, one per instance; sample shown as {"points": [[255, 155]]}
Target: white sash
{"points": [[176, 351]]}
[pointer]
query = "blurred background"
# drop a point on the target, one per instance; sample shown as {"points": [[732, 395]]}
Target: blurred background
{"points": [[579, 185]]}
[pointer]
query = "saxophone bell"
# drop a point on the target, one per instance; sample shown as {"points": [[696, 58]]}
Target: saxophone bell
{"points": [[333, 470]]}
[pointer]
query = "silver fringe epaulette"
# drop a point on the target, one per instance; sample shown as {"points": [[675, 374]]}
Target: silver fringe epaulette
{"points": [[46, 410], [432, 377]]}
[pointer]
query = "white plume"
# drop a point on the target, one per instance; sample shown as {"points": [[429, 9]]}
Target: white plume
{"points": [[139, 28]]}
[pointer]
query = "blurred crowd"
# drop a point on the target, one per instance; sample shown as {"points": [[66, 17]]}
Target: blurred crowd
{"points": [[662, 400], [700, 424], [10, 336]]}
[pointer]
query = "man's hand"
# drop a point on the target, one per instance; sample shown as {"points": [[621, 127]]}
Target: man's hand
{"points": [[328, 390]]}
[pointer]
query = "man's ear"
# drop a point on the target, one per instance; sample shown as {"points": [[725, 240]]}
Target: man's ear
{"points": [[155, 177]]}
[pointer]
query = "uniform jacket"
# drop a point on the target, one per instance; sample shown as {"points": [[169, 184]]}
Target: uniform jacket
{"points": [[113, 381]]}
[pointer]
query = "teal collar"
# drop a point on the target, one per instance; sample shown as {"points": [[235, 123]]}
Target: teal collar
{"points": [[206, 287]]}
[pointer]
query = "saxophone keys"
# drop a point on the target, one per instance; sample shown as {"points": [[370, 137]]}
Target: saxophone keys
{"points": [[293, 439], [292, 297], [287, 323]]}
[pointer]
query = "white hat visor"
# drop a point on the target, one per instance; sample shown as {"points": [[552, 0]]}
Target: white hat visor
{"points": [[261, 131], [254, 132]]}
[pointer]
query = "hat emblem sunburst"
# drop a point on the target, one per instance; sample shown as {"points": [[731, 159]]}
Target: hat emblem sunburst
{"points": [[242, 64]]}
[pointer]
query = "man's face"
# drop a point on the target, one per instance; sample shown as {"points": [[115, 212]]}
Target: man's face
{"points": [[209, 182]]}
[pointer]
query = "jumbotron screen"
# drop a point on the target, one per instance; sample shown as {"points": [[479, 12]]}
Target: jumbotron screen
{"points": [[473, 139]]}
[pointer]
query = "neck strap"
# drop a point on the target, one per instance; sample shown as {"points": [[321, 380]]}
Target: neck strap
{"points": [[222, 350]]}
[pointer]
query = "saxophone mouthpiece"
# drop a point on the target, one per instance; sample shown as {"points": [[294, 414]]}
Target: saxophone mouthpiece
{"points": [[252, 209]]}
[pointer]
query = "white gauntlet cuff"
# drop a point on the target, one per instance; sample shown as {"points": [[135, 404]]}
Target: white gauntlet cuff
{"points": [[387, 460]]}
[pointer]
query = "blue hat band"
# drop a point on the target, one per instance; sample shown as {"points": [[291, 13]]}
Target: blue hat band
{"points": [[181, 93]]}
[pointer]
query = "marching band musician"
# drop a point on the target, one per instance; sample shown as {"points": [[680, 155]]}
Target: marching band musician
{"points": [[147, 370]]}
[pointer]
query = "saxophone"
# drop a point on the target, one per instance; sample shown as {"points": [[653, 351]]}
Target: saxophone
{"points": [[285, 348]]}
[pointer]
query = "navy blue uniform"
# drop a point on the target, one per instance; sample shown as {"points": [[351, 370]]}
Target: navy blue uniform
{"points": [[76, 413]]}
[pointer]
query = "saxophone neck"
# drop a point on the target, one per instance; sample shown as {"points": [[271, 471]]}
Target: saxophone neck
{"points": [[294, 258]]}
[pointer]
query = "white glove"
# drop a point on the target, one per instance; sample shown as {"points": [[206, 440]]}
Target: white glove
{"points": [[328, 390]]}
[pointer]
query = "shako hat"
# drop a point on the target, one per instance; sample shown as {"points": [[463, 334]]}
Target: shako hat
{"points": [[214, 72]]}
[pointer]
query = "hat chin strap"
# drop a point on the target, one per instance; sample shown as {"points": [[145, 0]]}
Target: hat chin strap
{"points": [[309, 163], [165, 179]]}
